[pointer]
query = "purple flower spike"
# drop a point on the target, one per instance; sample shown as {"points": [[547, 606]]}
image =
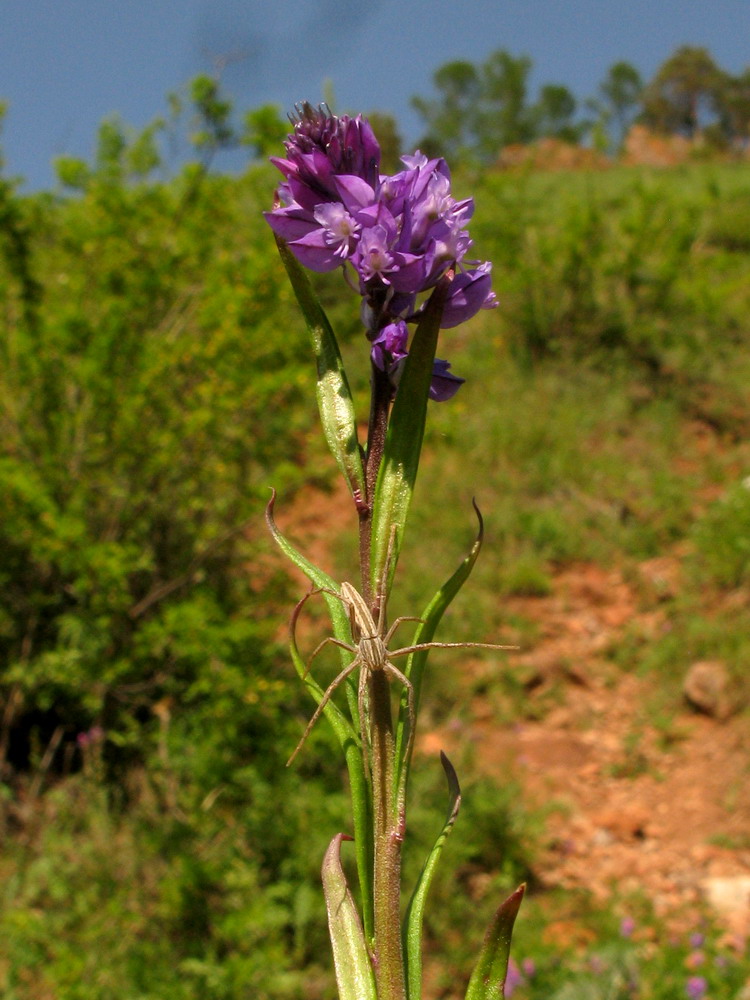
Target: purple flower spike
{"points": [[397, 236], [323, 146]]}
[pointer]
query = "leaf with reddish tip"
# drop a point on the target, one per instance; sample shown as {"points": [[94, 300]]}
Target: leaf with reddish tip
{"points": [[488, 978], [317, 576], [425, 632], [415, 910], [354, 975]]}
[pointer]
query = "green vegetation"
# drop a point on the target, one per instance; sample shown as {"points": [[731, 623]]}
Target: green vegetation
{"points": [[154, 383]]}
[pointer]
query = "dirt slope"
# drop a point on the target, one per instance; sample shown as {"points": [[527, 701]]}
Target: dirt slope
{"points": [[651, 801]]}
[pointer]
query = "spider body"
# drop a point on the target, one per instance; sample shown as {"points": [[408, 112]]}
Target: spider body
{"points": [[370, 653], [371, 648]]}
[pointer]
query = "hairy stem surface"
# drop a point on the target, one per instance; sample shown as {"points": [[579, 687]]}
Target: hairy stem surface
{"points": [[389, 959]]}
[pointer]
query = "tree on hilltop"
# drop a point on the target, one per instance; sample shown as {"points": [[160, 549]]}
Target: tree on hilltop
{"points": [[554, 113], [479, 109], [617, 102], [450, 117], [734, 110], [503, 118], [685, 93]]}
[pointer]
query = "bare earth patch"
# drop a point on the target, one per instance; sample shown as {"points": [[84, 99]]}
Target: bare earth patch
{"points": [[659, 809]]}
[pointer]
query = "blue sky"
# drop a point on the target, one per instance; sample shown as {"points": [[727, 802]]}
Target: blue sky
{"points": [[67, 64]]}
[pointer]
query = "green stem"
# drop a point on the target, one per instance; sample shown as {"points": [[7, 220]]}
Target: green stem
{"points": [[388, 953], [380, 402], [388, 957]]}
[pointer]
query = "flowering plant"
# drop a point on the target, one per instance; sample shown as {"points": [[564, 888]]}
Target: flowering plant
{"points": [[402, 243]]}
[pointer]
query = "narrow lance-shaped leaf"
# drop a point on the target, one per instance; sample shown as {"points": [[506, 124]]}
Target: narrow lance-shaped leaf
{"points": [[360, 789], [403, 445], [334, 396], [341, 725], [415, 911], [488, 978], [329, 590], [354, 975], [316, 575], [429, 621]]}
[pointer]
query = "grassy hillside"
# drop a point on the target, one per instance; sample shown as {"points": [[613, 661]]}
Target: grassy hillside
{"points": [[155, 382]]}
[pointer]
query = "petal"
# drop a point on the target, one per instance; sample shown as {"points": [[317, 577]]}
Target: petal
{"points": [[470, 292], [444, 385], [312, 251], [354, 192], [288, 227]]}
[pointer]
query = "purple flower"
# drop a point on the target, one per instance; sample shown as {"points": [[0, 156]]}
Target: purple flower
{"points": [[389, 352], [374, 261], [322, 151], [444, 384], [470, 291], [696, 987], [398, 234], [389, 347], [323, 146], [94, 735]]}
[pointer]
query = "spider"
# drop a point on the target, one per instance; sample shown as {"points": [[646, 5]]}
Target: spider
{"points": [[370, 651]]}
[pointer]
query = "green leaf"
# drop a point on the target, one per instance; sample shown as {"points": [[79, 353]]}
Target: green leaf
{"points": [[429, 621], [354, 975], [341, 725], [398, 471], [360, 787], [488, 978], [339, 622], [334, 396], [316, 576], [415, 910]]}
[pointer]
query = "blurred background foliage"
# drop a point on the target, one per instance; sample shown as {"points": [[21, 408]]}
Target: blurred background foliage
{"points": [[155, 382]]}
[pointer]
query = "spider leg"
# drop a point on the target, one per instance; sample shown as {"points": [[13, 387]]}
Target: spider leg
{"points": [[393, 671], [447, 645], [399, 621], [329, 640], [380, 602], [363, 722], [323, 702], [295, 617]]}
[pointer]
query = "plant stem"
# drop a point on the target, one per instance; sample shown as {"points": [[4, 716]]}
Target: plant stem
{"points": [[380, 402], [388, 958]]}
